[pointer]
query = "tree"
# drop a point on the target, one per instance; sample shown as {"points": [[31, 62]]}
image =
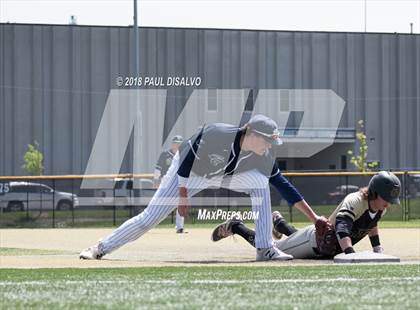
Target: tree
{"points": [[33, 160], [360, 160]]}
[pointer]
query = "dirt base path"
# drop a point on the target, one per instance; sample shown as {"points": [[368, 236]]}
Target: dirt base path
{"points": [[162, 247]]}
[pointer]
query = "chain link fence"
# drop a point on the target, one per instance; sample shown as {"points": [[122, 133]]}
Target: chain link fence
{"points": [[60, 201]]}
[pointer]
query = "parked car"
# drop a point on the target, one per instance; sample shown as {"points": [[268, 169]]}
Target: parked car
{"points": [[125, 192], [341, 191], [17, 196]]}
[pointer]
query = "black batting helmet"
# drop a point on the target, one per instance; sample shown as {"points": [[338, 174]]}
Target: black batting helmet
{"points": [[386, 185]]}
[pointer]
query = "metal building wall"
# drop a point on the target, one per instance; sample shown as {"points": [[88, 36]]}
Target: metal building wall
{"points": [[55, 79]]}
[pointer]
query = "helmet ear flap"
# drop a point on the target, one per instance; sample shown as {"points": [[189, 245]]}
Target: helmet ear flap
{"points": [[372, 195]]}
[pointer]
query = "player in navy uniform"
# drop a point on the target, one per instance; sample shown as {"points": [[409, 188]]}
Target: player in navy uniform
{"points": [[356, 217], [224, 156], [162, 166], [165, 160]]}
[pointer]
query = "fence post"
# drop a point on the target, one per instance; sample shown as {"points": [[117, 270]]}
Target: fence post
{"points": [[72, 202], [131, 203], [53, 213], [114, 210], [290, 207], [27, 204], [347, 184], [406, 197]]}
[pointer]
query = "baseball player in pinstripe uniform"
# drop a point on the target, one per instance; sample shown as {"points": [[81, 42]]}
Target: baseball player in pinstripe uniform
{"points": [[162, 167], [355, 217], [224, 156]]}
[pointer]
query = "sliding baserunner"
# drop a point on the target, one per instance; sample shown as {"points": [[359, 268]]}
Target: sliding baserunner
{"points": [[356, 216]]}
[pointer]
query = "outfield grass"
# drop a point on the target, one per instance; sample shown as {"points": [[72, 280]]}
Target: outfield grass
{"points": [[283, 287]]}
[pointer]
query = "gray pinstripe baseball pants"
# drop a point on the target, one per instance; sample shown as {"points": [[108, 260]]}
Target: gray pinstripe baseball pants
{"points": [[300, 244], [165, 201]]}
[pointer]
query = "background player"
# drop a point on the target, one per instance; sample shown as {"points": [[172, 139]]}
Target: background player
{"points": [[162, 166], [356, 216], [218, 155]]}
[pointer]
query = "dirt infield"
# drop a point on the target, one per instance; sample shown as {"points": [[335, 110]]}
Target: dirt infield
{"points": [[162, 247]]}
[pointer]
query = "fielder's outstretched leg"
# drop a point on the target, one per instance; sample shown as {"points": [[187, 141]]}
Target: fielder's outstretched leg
{"points": [[164, 201], [256, 185]]}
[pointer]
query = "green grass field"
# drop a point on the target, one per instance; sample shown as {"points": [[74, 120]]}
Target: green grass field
{"points": [[283, 287]]}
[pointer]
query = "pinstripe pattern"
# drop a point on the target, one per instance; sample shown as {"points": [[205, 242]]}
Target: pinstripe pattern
{"points": [[165, 201], [255, 184]]}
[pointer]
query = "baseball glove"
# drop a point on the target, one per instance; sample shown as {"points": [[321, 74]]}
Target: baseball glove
{"points": [[325, 237]]}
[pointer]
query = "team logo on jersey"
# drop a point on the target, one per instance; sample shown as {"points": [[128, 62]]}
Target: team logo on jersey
{"points": [[216, 159], [168, 161]]}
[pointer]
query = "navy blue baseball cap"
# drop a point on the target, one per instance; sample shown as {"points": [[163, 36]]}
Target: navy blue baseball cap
{"points": [[177, 139], [265, 127]]}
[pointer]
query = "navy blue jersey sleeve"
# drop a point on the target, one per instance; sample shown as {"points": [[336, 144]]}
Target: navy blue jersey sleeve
{"points": [[187, 161], [188, 153], [286, 189], [275, 171]]}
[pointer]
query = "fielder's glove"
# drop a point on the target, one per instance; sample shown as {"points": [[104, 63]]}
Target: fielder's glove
{"points": [[325, 237], [378, 249]]}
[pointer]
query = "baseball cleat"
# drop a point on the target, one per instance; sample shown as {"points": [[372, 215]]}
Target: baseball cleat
{"points": [[276, 216], [224, 230], [180, 231], [92, 252], [272, 254]]}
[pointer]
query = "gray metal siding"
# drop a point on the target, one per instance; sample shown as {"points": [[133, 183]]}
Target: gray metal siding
{"points": [[55, 81]]}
